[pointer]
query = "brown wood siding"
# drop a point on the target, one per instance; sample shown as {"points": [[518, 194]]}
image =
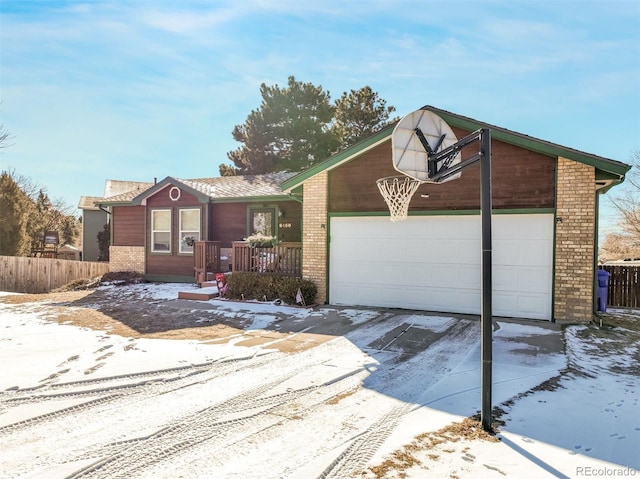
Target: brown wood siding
{"points": [[520, 179], [290, 224], [162, 200], [228, 221], [174, 263], [128, 225], [170, 264]]}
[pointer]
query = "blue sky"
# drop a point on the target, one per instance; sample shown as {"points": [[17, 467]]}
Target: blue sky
{"points": [[134, 90]]}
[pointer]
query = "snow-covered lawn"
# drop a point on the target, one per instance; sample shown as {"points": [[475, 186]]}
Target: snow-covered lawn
{"points": [[77, 402]]}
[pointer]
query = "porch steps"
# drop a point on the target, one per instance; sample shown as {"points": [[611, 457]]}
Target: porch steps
{"points": [[201, 294]]}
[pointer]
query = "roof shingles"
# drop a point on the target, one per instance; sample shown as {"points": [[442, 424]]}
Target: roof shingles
{"points": [[219, 188]]}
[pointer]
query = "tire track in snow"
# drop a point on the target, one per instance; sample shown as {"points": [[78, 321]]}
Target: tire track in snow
{"points": [[356, 456], [137, 414], [158, 385], [27, 393], [208, 426], [353, 460]]}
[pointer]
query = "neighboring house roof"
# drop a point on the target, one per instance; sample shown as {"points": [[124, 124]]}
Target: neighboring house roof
{"points": [[123, 198], [608, 172], [219, 189], [89, 203], [68, 247], [114, 189], [118, 187]]}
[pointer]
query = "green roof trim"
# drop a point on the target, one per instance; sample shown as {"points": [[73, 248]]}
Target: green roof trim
{"points": [[251, 199], [534, 144], [340, 157], [605, 167]]}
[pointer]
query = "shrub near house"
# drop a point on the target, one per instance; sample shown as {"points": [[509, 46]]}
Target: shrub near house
{"points": [[255, 286]]}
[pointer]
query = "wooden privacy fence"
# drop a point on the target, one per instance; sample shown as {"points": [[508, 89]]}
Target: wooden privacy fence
{"points": [[41, 275], [624, 286]]}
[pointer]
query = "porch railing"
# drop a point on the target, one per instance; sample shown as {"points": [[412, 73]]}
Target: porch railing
{"points": [[283, 258], [206, 257]]}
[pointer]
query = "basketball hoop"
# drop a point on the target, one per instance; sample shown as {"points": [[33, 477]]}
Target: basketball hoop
{"points": [[397, 192]]}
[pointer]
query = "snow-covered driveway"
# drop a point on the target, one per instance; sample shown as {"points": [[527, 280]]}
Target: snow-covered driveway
{"points": [[83, 403]]}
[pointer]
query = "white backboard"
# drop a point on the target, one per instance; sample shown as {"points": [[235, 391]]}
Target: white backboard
{"points": [[408, 154]]}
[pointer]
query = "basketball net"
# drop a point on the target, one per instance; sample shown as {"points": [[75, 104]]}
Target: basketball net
{"points": [[397, 192]]}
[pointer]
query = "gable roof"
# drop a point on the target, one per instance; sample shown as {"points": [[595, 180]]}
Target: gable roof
{"points": [[609, 171], [213, 190]]}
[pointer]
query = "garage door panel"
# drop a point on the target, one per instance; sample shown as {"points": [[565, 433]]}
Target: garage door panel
{"points": [[533, 253], [532, 306], [469, 276], [442, 275], [433, 263], [521, 252], [469, 251], [532, 280], [416, 248], [344, 248], [456, 301], [538, 227], [525, 279], [505, 251]]}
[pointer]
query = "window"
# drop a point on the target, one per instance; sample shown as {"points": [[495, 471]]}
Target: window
{"points": [[161, 231], [262, 220], [189, 229]]}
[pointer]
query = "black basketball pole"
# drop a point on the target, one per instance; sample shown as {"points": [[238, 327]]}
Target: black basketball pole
{"points": [[486, 320], [486, 314]]}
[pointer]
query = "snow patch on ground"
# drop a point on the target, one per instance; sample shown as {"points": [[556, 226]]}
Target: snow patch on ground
{"points": [[73, 396]]}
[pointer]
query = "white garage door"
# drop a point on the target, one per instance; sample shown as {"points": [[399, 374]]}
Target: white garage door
{"points": [[433, 263]]}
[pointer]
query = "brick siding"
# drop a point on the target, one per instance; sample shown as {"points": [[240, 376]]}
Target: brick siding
{"points": [[314, 233], [126, 258], [575, 237]]}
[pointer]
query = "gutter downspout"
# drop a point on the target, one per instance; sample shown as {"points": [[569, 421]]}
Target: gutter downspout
{"points": [[596, 250]]}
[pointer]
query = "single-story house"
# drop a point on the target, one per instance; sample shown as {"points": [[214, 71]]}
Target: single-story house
{"points": [[545, 229], [153, 230], [545, 226]]}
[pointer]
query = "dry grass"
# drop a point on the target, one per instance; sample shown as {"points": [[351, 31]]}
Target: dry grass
{"points": [[340, 397], [620, 320], [404, 458], [141, 318], [48, 298]]}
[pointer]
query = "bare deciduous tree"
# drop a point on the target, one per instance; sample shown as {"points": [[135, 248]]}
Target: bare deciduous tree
{"points": [[625, 243], [4, 137]]}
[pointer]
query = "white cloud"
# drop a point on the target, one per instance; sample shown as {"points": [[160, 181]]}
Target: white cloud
{"points": [[116, 81]]}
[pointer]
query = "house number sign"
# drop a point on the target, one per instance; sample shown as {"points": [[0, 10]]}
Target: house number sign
{"points": [[284, 225], [174, 193]]}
